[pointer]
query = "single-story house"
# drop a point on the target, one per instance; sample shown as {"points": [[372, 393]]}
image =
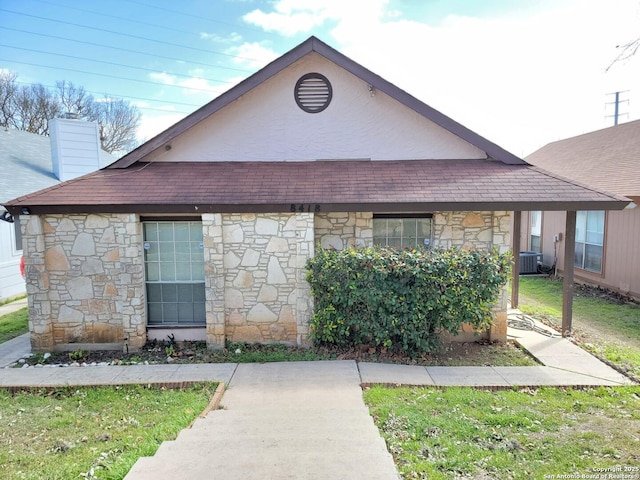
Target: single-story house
{"points": [[203, 232], [607, 247], [30, 163]]}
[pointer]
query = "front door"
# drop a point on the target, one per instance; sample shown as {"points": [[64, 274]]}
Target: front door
{"points": [[174, 268]]}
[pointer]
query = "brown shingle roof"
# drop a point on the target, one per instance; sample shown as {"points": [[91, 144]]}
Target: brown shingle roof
{"points": [[379, 186], [607, 159]]}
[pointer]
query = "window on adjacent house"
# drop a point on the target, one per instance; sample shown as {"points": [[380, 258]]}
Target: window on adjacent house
{"points": [[17, 232], [174, 268], [535, 231], [589, 240], [403, 231]]}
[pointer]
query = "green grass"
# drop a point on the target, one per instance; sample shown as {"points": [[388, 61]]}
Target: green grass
{"points": [[519, 434], [256, 353], [88, 432], [602, 326], [14, 324]]}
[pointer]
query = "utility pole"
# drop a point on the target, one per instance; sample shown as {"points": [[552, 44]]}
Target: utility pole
{"points": [[616, 104]]}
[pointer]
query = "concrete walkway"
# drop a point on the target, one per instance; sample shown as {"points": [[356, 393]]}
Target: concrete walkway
{"points": [[303, 420], [17, 347]]}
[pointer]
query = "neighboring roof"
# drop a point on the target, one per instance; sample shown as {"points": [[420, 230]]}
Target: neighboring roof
{"points": [[26, 163], [378, 186], [312, 44], [607, 159]]}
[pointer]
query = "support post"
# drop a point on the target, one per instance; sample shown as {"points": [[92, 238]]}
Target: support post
{"points": [[567, 283], [515, 248]]}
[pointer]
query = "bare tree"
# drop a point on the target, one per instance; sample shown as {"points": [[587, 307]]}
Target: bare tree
{"points": [[118, 122], [73, 99], [33, 106], [8, 89], [30, 108], [627, 51]]}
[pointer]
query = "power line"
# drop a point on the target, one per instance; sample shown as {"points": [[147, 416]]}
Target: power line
{"points": [[98, 29], [130, 20], [105, 75], [199, 17], [112, 63], [154, 55]]}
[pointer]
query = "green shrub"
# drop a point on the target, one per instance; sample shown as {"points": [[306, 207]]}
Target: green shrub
{"points": [[402, 299]]}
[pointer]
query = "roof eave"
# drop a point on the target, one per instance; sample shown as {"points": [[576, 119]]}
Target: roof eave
{"points": [[418, 207]]}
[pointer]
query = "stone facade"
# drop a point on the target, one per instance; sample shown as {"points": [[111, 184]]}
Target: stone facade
{"points": [[343, 230], [85, 273], [473, 230], [259, 261], [85, 280]]}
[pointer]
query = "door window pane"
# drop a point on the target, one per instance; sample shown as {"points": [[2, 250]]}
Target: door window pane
{"points": [[174, 267]]}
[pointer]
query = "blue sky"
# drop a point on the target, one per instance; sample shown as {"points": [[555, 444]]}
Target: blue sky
{"points": [[521, 73]]}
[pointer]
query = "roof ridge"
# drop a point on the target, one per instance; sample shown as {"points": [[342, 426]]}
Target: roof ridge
{"points": [[313, 44], [592, 132]]}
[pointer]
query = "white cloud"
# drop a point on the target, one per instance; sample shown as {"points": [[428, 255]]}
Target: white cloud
{"points": [[253, 54], [521, 81], [295, 16], [161, 77], [153, 124], [521, 78], [233, 37], [193, 85]]}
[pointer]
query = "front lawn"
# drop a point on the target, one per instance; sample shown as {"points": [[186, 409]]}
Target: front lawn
{"points": [[602, 323], [463, 433], [90, 432], [14, 324]]}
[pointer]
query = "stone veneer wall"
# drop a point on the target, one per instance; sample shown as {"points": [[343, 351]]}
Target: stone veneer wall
{"points": [[85, 281], [342, 230], [256, 287], [85, 273], [467, 230]]}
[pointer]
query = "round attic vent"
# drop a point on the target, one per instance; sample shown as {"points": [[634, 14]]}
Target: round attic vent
{"points": [[313, 92]]}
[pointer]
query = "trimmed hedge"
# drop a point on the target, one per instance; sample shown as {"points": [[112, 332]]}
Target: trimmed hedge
{"points": [[402, 299]]}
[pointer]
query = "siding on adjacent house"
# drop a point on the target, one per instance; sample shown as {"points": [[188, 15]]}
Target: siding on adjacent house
{"points": [[11, 282], [621, 256]]}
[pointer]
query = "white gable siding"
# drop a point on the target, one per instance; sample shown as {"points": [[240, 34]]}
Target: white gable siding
{"points": [[75, 147], [266, 124]]}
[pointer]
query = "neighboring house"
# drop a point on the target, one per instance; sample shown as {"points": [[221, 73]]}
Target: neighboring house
{"points": [[203, 232], [30, 163], [607, 249]]}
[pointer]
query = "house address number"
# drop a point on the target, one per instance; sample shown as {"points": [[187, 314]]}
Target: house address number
{"points": [[305, 207]]}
